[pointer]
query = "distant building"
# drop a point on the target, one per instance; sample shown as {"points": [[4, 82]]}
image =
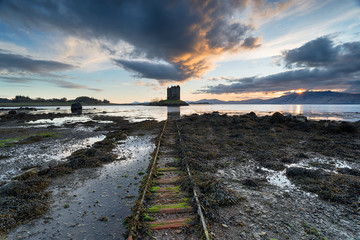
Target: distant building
{"points": [[173, 93]]}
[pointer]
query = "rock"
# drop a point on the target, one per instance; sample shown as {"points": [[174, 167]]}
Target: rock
{"points": [[300, 118], [76, 108], [236, 135], [250, 182], [302, 172], [46, 167], [8, 186], [50, 164], [348, 127], [26, 174], [225, 226], [277, 118], [349, 171], [12, 112], [256, 236], [252, 115], [287, 160], [123, 136], [273, 165], [104, 219]]}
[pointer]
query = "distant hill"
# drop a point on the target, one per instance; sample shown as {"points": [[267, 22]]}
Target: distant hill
{"points": [[208, 101], [4, 100], [327, 97]]}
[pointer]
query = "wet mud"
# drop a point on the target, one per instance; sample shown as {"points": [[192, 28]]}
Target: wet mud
{"points": [[44, 164], [280, 177], [92, 203], [297, 178]]}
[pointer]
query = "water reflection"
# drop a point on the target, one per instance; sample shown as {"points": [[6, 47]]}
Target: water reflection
{"points": [[296, 109], [173, 113], [136, 113]]}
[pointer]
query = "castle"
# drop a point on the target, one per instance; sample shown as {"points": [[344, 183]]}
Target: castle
{"points": [[173, 93]]}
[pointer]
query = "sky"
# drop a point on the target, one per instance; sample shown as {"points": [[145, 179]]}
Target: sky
{"points": [[132, 50]]}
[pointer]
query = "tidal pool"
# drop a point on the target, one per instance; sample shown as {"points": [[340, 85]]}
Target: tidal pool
{"points": [[54, 149], [93, 203]]}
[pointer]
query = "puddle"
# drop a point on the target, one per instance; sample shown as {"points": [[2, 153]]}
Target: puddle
{"points": [[89, 195], [63, 120], [104, 122], [325, 164], [38, 153], [278, 178]]}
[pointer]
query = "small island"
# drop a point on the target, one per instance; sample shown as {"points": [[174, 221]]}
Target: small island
{"points": [[173, 98]]}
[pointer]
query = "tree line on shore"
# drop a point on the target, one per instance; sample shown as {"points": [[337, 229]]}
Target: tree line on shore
{"points": [[82, 99]]}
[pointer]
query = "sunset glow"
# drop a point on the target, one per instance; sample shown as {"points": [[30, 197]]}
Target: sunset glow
{"points": [[236, 50]]}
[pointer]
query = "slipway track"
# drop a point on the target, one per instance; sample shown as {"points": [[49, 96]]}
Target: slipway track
{"points": [[164, 210]]}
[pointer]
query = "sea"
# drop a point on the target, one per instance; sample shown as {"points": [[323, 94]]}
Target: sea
{"points": [[136, 113]]}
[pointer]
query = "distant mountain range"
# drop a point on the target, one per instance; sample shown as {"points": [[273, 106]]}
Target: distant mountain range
{"points": [[327, 97]]}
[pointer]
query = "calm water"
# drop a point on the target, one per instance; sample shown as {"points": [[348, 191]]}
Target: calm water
{"points": [[139, 113]]}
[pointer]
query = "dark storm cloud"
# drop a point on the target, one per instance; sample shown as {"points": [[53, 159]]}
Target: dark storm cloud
{"points": [[22, 65], [319, 52], [152, 70], [59, 83], [251, 43], [183, 33], [278, 82], [324, 65], [14, 63]]}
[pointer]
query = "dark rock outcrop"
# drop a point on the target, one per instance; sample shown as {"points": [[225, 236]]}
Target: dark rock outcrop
{"points": [[76, 108]]}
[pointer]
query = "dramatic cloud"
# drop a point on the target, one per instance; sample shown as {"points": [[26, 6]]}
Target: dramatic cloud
{"points": [[316, 53], [14, 69], [13, 63], [323, 64], [341, 60], [186, 35], [143, 69], [59, 83], [251, 43]]}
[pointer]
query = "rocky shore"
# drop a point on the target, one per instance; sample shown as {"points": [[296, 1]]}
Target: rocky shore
{"points": [[295, 179], [271, 177], [38, 159]]}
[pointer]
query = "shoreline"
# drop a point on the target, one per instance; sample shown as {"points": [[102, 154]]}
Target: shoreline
{"points": [[298, 179], [257, 157], [3, 105]]}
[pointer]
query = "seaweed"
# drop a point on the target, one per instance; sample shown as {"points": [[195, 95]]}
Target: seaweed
{"points": [[22, 200], [341, 188], [27, 139]]}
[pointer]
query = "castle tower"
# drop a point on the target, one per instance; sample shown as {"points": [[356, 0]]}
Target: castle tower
{"points": [[173, 93]]}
